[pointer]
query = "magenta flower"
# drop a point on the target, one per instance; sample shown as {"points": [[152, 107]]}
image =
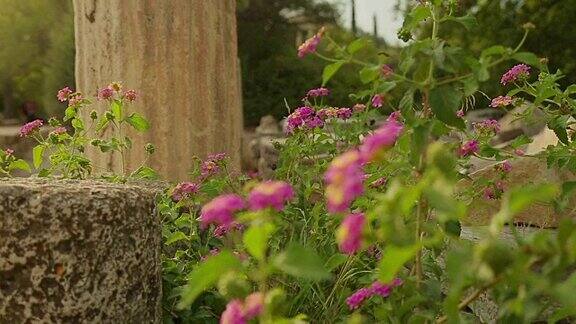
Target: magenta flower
{"points": [[311, 44], [517, 72], [185, 189], [387, 70], [344, 181], [349, 234], [519, 152], [208, 168], [380, 289], [489, 193], [220, 210], [130, 95], [395, 116], [9, 151], [75, 99], [303, 117], [30, 127], [468, 148], [501, 101], [271, 194], [505, 166], [63, 94], [379, 182], [377, 288], [460, 113], [105, 93], [234, 313], [217, 157], [222, 230], [384, 137], [254, 305], [359, 107], [344, 113], [487, 126], [357, 298], [320, 92], [377, 101]]}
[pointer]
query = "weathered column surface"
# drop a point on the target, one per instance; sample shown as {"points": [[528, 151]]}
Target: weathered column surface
{"points": [[78, 252], [181, 56]]}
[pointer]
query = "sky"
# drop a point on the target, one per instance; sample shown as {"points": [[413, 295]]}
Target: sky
{"points": [[388, 21]]}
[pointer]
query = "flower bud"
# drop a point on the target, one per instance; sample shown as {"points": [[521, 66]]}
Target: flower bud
{"points": [[150, 148], [109, 115], [53, 122], [93, 115], [528, 26]]}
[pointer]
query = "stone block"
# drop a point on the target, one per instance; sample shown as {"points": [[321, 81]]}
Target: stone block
{"points": [[79, 252]]}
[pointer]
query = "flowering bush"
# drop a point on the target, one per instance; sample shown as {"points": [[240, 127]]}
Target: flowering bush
{"points": [[65, 144], [362, 222]]}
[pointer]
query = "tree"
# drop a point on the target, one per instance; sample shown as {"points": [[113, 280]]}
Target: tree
{"points": [[37, 52]]}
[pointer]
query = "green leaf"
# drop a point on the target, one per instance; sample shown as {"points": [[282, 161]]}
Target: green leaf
{"points": [[335, 261], [19, 165], [369, 74], [301, 262], [205, 275], [416, 16], [138, 122], [571, 89], [145, 172], [175, 237], [468, 21], [116, 108], [78, 124], [70, 113], [38, 155], [559, 125], [393, 259], [494, 50], [256, 239], [445, 102], [330, 70], [357, 45], [528, 58]]}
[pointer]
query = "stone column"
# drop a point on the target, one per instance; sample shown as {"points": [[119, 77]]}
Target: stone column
{"points": [[181, 57]]}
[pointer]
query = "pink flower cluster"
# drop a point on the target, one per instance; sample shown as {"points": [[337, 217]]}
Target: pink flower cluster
{"points": [[240, 312], [341, 113], [108, 92], [220, 210], [349, 234], [377, 288], [505, 166], [517, 72], [303, 117], [359, 107], [211, 166], [270, 194], [185, 189], [468, 148], [344, 181], [222, 230], [64, 94], [487, 126], [501, 101], [494, 191], [460, 113], [9, 152], [30, 127], [311, 44], [320, 92], [377, 101], [386, 70], [384, 137]]}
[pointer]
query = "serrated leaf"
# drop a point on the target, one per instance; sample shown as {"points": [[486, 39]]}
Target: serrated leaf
{"points": [[38, 155], [256, 238], [445, 102], [416, 16], [393, 259], [368, 74], [205, 275], [175, 237], [528, 58], [558, 125], [468, 21], [301, 262], [116, 108], [19, 165], [138, 122], [357, 45], [330, 70]]}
